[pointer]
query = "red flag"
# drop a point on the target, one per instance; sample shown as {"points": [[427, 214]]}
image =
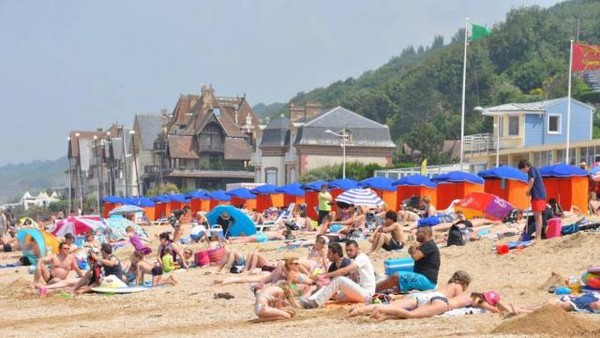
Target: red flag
{"points": [[585, 57]]}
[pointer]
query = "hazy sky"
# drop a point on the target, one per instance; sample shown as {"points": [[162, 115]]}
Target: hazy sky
{"points": [[84, 64]]}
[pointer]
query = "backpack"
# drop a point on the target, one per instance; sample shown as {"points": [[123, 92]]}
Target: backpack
{"points": [[529, 232], [455, 234]]}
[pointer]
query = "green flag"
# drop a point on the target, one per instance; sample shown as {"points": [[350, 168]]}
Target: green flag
{"points": [[478, 32]]}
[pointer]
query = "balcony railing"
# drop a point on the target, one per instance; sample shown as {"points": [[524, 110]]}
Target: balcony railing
{"points": [[212, 147], [478, 143]]}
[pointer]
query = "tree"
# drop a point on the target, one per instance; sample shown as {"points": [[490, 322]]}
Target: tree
{"points": [[166, 188], [425, 137]]}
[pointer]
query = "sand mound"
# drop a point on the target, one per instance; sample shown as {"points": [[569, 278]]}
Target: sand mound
{"points": [[553, 280], [549, 320]]}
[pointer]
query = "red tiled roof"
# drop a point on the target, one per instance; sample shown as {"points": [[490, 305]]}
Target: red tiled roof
{"points": [[182, 147], [237, 149]]}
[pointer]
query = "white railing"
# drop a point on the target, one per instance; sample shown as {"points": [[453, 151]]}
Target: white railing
{"points": [[431, 171], [478, 143], [255, 159]]}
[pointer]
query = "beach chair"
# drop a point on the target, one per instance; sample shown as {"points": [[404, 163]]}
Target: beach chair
{"points": [[284, 216]]}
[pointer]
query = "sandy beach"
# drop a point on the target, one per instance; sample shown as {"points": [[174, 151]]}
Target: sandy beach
{"points": [[189, 308]]}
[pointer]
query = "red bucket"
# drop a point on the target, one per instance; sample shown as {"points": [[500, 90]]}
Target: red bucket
{"points": [[215, 255], [201, 258]]}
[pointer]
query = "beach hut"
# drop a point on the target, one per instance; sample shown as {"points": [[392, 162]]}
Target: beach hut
{"points": [[178, 201], [218, 197], [384, 189], [311, 197], [162, 206], [567, 184], [109, 203], [242, 196], [148, 205], [415, 185], [267, 196], [292, 193], [241, 224], [508, 183], [455, 185], [199, 200]]}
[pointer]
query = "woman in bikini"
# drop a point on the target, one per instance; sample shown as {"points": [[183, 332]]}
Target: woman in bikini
{"points": [[457, 285], [489, 300], [271, 302]]}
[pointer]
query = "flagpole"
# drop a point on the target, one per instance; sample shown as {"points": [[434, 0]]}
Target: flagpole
{"points": [[462, 112], [569, 103]]}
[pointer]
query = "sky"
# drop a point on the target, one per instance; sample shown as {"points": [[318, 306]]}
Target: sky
{"points": [[81, 65]]}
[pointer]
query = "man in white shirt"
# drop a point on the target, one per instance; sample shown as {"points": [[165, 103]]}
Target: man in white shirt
{"points": [[357, 289]]}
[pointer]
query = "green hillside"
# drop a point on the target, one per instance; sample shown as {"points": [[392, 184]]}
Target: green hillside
{"points": [[418, 93], [15, 179]]}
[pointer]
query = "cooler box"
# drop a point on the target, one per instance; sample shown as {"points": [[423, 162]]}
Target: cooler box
{"points": [[393, 265]]}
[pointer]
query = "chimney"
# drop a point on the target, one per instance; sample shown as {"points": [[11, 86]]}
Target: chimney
{"points": [[296, 113], [311, 110]]}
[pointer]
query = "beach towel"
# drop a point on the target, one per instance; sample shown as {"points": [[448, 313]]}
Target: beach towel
{"points": [[463, 311]]}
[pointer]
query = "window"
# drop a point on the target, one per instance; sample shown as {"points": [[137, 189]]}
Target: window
{"points": [[554, 124], [271, 176], [513, 126]]}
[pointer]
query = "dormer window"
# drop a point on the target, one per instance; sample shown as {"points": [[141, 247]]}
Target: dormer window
{"points": [[554, 124]]}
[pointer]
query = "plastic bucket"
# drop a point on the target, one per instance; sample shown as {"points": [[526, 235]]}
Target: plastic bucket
{"points": [[502, 249]]}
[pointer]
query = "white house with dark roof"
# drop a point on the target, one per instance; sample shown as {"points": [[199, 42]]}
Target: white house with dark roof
{"points": [[536, 131], [287, 149]]}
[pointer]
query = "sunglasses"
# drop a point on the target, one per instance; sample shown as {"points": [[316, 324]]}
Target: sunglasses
{"points": [[66, 248]]}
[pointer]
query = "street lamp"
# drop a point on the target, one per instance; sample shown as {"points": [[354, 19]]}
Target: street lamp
{"points": [[70, 178], [97, 172], [111, 178], [124, 160], [497, 127], [80, 174], [137, 178], [343, 139]]}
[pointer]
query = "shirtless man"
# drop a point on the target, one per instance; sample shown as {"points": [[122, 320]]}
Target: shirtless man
{"points": [[60, 266], [389, 236]]}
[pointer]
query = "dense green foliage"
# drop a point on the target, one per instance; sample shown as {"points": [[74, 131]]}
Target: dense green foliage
{"points": [[418, 94], [354, 170]]}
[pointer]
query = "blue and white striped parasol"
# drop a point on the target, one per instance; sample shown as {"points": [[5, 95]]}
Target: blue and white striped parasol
{"points": [[360, 197]]}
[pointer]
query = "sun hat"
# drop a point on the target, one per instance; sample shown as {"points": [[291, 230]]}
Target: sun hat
{"points": [[492, 297]]}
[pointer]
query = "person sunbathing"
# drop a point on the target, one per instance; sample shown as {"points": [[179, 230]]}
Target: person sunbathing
{"points": [[260, 237], [489, 300], [60, 265], [256, 260], [587, 302], [456, 286], [271, 302], [9, 244], [233, 260]]}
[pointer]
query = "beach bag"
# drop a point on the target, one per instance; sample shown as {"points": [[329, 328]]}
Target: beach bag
{"points": [[570, 229], [455, 236]]}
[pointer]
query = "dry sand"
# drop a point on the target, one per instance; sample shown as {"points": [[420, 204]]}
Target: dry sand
{"points": [[189, 309]]}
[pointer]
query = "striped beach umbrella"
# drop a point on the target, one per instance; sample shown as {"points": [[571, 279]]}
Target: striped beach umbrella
{"points": [[360, 197]]}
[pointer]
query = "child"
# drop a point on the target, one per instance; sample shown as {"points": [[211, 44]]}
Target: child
{"points": [[144, 267], [136, 241], [318, 254], [168, 264], [271, 300], [92, 278]]}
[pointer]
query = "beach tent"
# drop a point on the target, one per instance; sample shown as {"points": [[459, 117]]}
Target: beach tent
{"points": [[383, 188], [292, 193], [109, 203], [415, 185], [568, 184], [117, 224], [199, 200], [242, 196], [267, 196], [218, 197], [162, 208], [311, 197], [242, 225], [455, 185], [508, 183], [47, 242]]}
